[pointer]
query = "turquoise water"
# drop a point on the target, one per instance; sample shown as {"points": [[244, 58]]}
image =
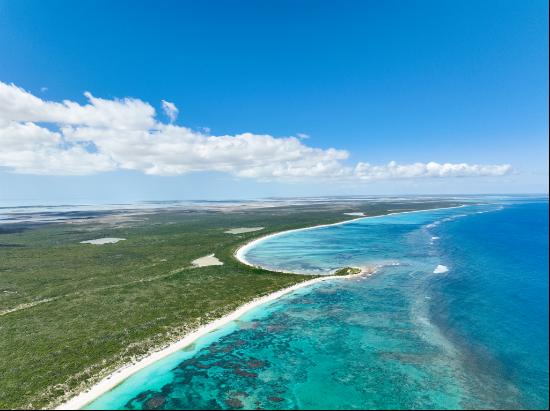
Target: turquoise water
{"points": [[475, 336]]}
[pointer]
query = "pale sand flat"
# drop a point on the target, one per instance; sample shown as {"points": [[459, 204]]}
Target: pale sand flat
{"points": [[100, 241], [206, 261], [243, 230], [357, 214]]}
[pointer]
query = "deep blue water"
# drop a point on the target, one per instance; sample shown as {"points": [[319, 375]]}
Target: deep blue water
{"points": [[494, 303], [475, 336]]}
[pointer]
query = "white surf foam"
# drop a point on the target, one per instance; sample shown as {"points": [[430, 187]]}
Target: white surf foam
{"points": [[440, 269]]}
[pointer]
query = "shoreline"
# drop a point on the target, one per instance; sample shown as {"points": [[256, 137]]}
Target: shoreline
{"points": [[241, 251], [119, 375]]}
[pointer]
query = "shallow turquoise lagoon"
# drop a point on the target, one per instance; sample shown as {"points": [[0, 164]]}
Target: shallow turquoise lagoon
{"points": [[475, 336]]}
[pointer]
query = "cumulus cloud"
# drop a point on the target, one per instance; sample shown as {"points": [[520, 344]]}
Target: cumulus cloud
{"points": [[31, 149], [170, 110], [47, 137], [19, 105]]}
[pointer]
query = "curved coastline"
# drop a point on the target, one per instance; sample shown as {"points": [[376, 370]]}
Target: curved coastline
{"points": [[118, 376], [241, 251]]}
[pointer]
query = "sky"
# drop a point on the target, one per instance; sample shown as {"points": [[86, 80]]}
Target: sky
{"points": [[171, 100]]}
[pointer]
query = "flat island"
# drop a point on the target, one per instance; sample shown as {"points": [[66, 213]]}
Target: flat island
{"points": [[348, 271]]}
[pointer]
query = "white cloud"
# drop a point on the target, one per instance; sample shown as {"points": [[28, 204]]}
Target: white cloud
{"points": [[392, 170], [31, 149], [17, 104], [170, 110], [45, 137]]}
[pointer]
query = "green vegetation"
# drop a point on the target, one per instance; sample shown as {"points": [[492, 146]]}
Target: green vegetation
{"points": [[70, 313], [347, 271]]}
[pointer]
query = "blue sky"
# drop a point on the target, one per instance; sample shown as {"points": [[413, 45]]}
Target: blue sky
{"points": [[406, 81]]}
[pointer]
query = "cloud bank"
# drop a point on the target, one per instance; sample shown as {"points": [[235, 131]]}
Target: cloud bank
{"points": [[68, 138]]}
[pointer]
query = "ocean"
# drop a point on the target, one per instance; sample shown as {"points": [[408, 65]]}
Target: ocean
{"points": [[456, 316]]}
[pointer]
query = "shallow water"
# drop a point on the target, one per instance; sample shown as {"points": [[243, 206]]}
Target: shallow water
{"points": [[475, 336]]}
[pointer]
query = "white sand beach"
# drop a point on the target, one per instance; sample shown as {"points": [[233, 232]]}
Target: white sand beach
{"points": [[240, 253], [118, 376]]}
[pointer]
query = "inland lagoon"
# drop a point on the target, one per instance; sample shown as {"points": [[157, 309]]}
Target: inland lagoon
{"points": [[456, 316]]}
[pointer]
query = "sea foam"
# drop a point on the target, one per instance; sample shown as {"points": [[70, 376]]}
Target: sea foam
{"points": [[440, 269]]}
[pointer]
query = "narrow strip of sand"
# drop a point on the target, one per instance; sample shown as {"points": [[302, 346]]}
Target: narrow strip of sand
{"points": [[118, 376]]}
